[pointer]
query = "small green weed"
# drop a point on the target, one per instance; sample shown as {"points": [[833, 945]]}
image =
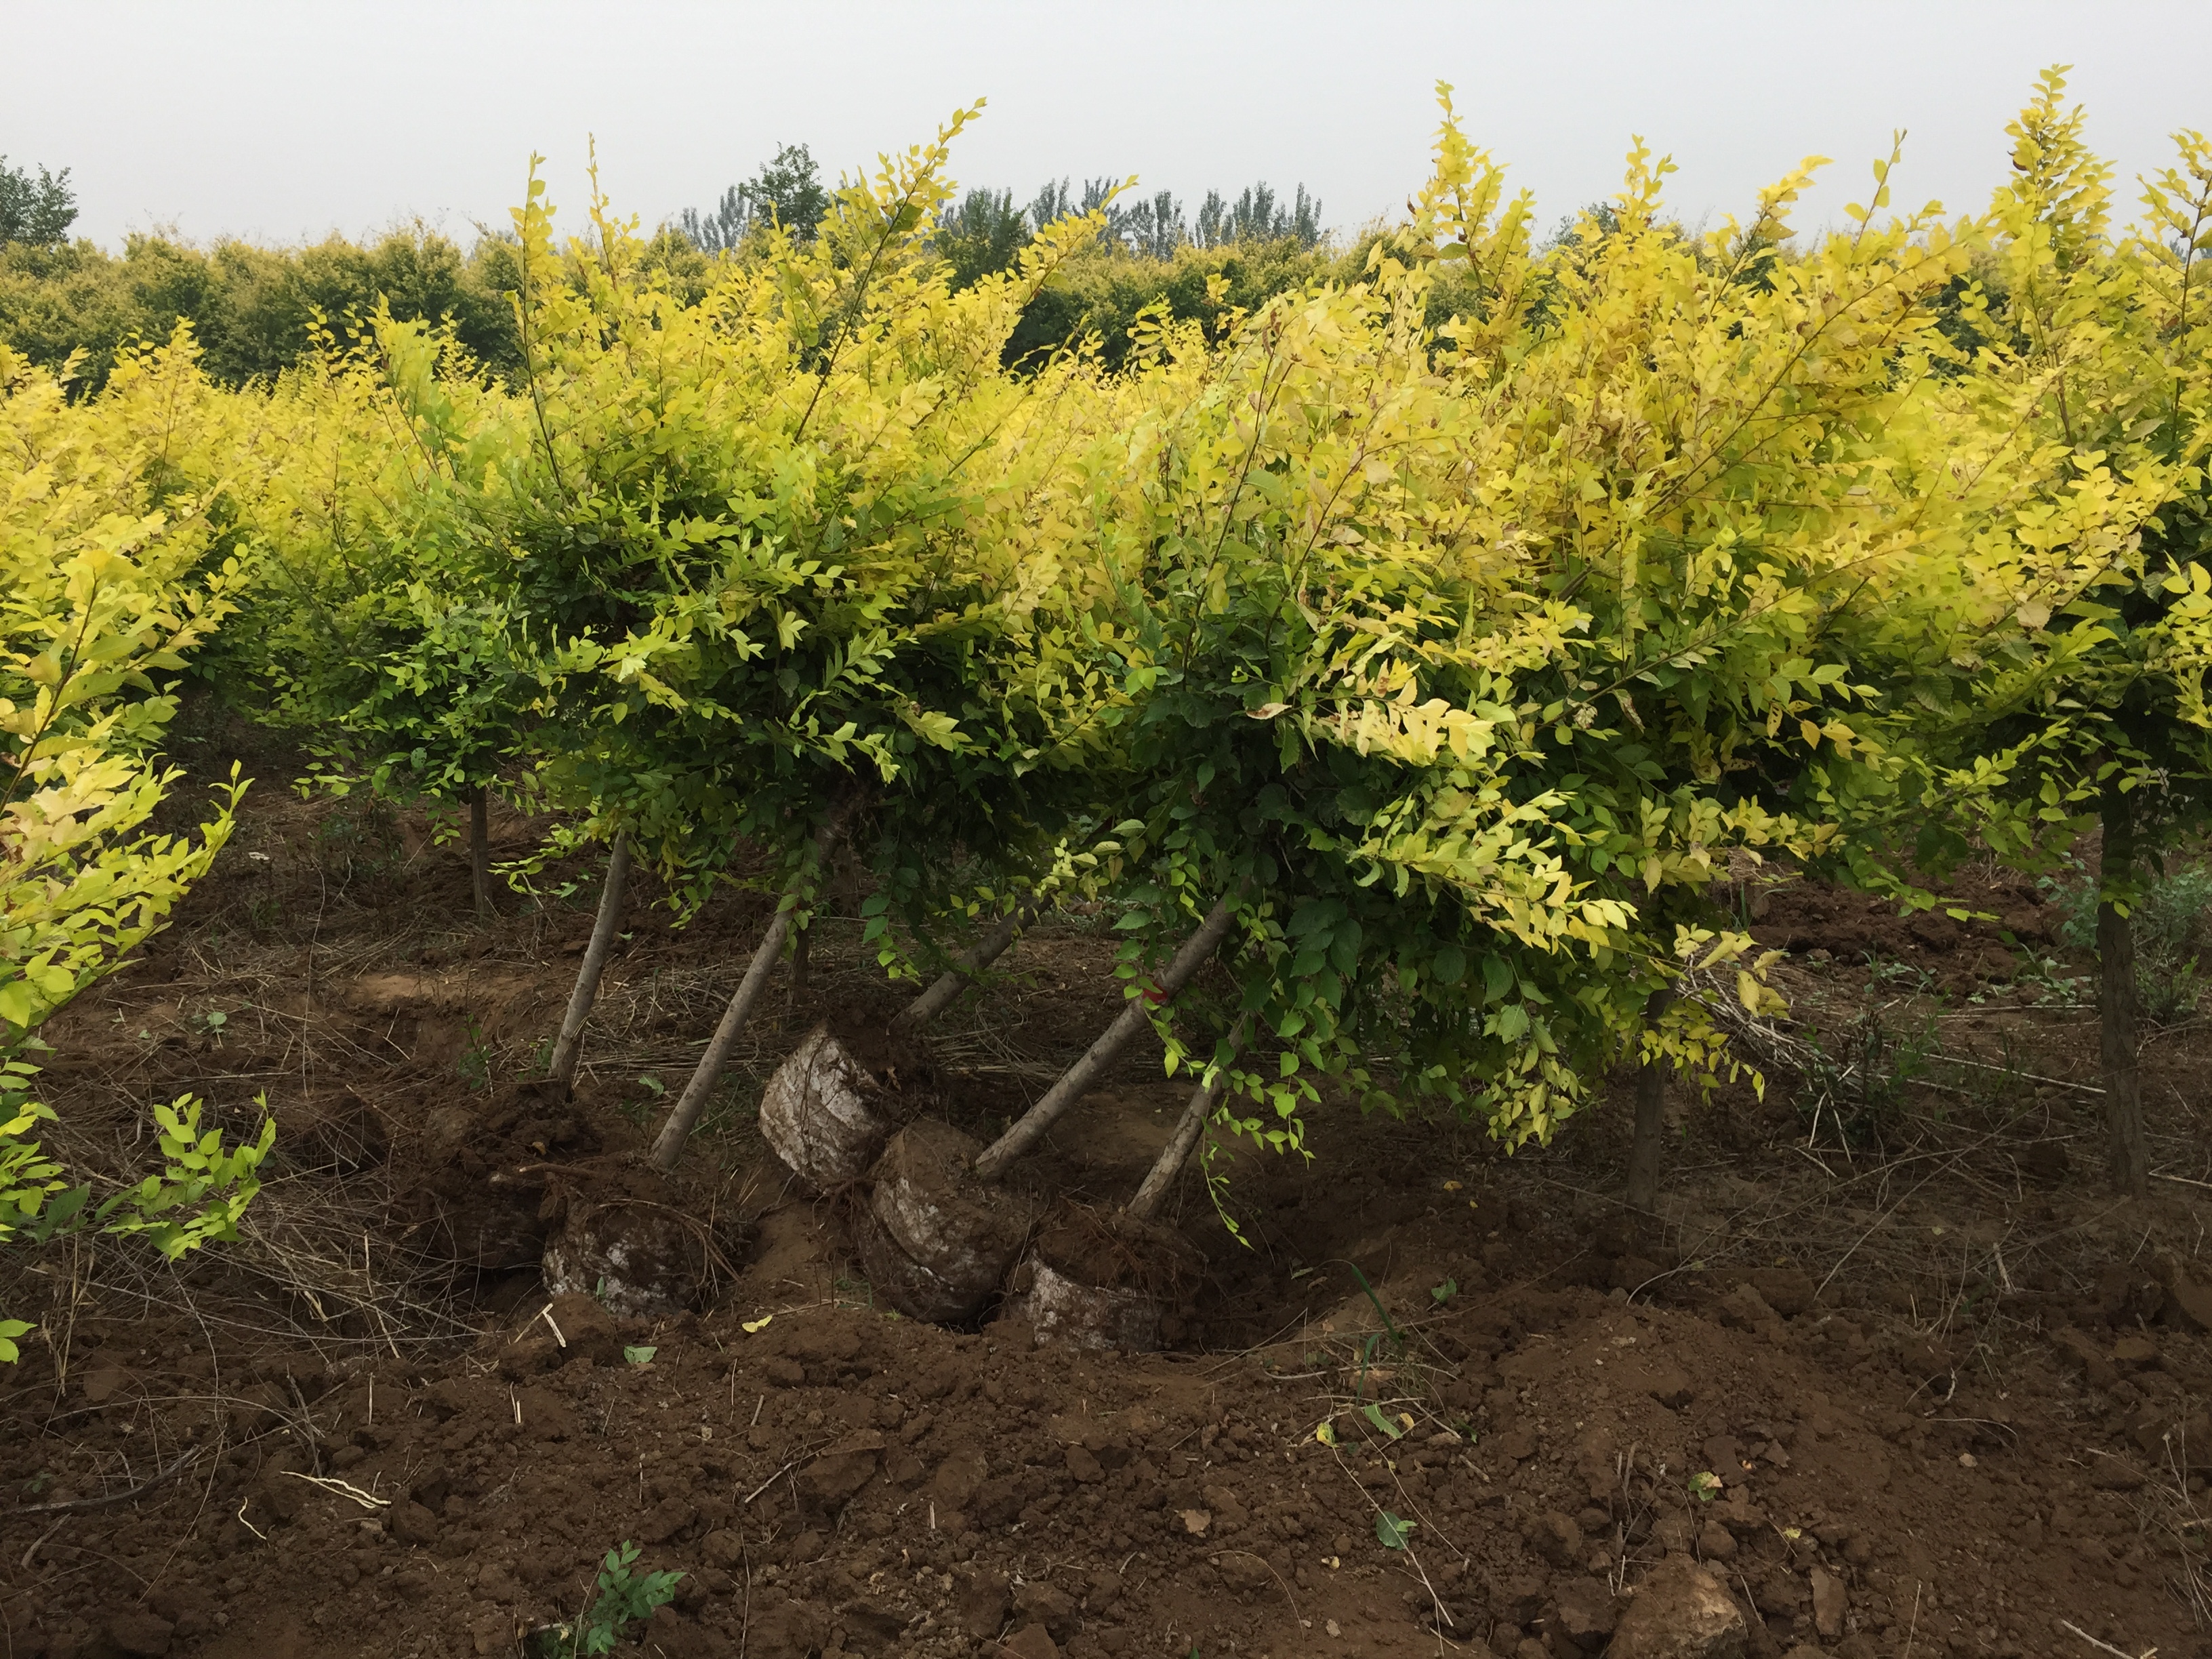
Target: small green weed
{"points": [[476, 1059], [1895, 975], [2049, 986], [1859, 1075], [646, 1107], [359, 839], [2167, 994], [624, 1598], [2172, 924]]}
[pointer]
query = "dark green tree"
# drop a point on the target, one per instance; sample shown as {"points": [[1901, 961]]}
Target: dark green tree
{"points": [[39, 212], [984, 234], [1257, 216], [787, 190], [1154, 229], [721, 230]]}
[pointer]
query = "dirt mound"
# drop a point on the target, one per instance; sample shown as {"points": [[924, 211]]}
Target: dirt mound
{"points": [[836, 1480], [1899, 1382]]}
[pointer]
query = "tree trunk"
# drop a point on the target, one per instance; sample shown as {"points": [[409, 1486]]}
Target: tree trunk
{"points": [[798, 960], [953, 981], [1162, 1176], [684, 1117], [480, 852], [570, 1044], [1076, 1081], [2125, 1151], [1643, 1151]]}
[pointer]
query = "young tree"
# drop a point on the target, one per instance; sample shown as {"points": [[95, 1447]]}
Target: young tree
{"points": [[983, 236], [117, 561], [2082, 702], [787, 190], [384, 623], [784, 568], [38, 213]]}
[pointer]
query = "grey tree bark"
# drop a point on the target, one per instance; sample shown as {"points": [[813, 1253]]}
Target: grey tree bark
{"points": [[1160, 1179], [2126, 1153], [1649, 1140], [945, 990], [684, 1117], [569, 1045], [480, 852], [1075, 1082]]}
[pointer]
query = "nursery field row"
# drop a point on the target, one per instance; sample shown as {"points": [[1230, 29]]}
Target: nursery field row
{"points": [[1418, 682]]}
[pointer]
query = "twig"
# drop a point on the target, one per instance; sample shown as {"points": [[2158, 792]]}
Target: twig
{"points": [[1405, 1549], [1943, 1059], [41, 1539], [306, 1432], [545, 1313], [2104, 1647], [1876, 1223], [803, 1457], [345, 1487], [123, 1497]]}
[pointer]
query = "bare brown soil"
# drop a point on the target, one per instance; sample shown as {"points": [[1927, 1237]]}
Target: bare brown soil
{"points": [[1953, 1391]]}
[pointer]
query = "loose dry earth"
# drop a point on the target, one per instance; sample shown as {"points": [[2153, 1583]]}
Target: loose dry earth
{"points": [[1953, 1393]]}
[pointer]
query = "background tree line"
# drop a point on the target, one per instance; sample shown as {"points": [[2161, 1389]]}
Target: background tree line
{"points": [[253, 308]]}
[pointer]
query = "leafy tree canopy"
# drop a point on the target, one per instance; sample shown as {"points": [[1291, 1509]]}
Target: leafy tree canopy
{"points": [[38, 211], [787, 190]]}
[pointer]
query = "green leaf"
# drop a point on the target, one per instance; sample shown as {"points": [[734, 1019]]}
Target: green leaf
{"points": [[1373, 1413], [640, 1356], [1390, 1531]]}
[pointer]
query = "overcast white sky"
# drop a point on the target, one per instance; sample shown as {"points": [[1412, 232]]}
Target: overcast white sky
{"points": [[284, 121]]}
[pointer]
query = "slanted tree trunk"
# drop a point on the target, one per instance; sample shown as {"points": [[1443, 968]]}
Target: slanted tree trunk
{"points": [[480, 852], [1160, 1179], [1076, 1081], [684, 1117], [2125, 1151], [1643, 1151], [569, 1045], [953, 981]]}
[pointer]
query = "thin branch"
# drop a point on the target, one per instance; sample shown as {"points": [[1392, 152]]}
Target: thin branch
{"points": [[127, 1493]]}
